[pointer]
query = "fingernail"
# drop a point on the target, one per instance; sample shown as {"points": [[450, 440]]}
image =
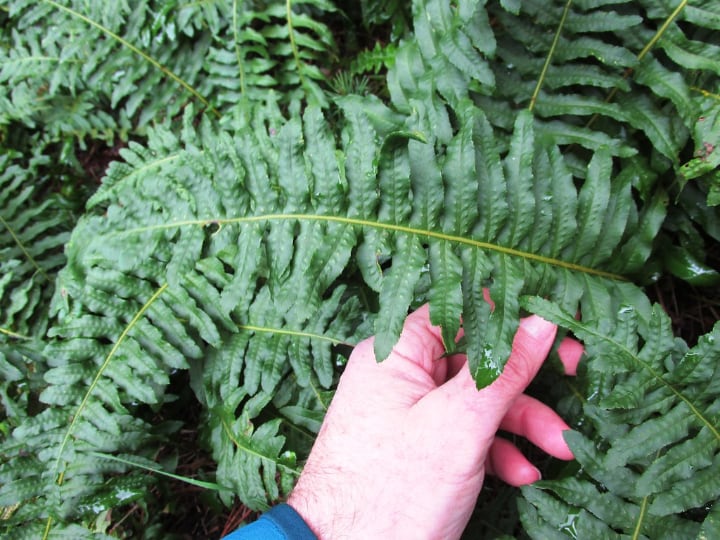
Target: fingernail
{"points": [[539, 474], [538, 327]]}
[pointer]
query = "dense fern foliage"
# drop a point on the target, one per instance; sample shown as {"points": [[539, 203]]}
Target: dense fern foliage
{"points": [[650, 450], [106, 71], [34, 228], [267, 212], [31, 245]]}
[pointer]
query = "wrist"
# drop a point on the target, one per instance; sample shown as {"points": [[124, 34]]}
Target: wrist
{"points": [[323, 509]]}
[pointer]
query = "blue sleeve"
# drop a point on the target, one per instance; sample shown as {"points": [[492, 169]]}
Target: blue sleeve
{"points": [[281, 522]]}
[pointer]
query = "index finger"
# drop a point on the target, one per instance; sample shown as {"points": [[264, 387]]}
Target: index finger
{"points": [[531, 345], [420, 347]]}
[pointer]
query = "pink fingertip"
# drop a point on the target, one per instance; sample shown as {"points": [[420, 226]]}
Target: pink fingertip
{"points": [[538, 327], [562, 450], [527, 475], [539, 474], [488, 299], [570, 352], [510, 465]]}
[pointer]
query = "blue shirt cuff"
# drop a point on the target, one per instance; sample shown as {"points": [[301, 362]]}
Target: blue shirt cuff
{"points": [[281, 522]]}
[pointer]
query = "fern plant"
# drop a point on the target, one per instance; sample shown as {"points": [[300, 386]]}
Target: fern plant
{"points": [[650, 453], [252, 251], [101, 72], [34, 228], [278, 46], [31, 242], [172, 298]]}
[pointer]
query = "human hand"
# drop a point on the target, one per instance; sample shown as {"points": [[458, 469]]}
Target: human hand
{"points": [[406, 443]]}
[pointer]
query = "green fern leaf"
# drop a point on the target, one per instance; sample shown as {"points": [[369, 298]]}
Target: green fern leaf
{"points": [[460, 195], [374, 60], [31, 238], [679, 463], [396, 293], [691, 53], [446, 296], [656, 428], [518, 177], [579, 521], [248, 459], [711, 526], [704, 486], [476, 313]]}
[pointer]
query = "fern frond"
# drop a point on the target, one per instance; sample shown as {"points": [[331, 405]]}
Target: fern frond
{"points": [[276, 46], [32, 235], [250, 459], [276, 268], [105, 74], [654, 429], [579, 61], [374, 60], [704, 166], [94, 73]]}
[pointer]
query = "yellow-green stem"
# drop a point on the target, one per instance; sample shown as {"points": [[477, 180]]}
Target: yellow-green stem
{"points": [[137, 51], [550, 54]]}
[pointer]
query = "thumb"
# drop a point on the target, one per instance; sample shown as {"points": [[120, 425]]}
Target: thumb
{"points": [[489, 405], [530, 347]]}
